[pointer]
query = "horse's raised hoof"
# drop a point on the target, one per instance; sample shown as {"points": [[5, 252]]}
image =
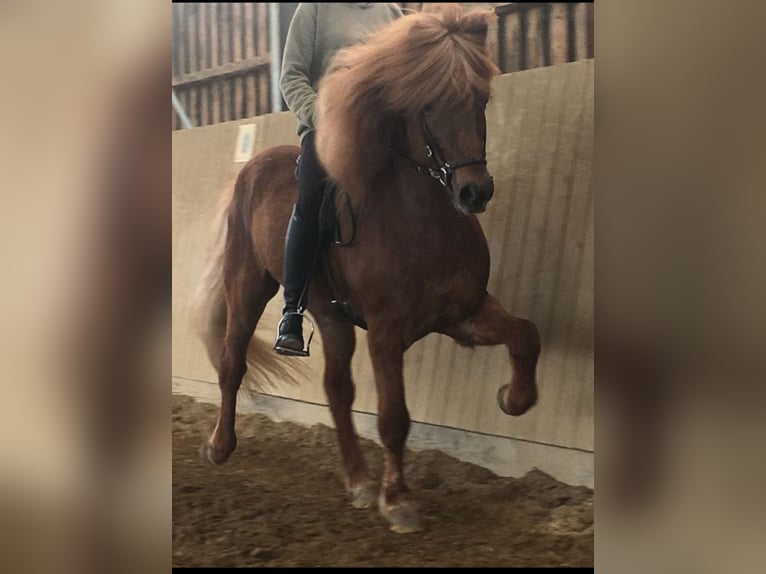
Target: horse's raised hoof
{"points": [[364, 495], [515, 405], [404, 516]]}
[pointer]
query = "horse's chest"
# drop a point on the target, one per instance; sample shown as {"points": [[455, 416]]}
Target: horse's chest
{"points": [[427, 271]]}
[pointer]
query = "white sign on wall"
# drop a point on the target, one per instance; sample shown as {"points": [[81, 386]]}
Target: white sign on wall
{"points": [[245, 143]]}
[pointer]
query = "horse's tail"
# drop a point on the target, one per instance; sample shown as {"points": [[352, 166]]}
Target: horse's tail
{"points": [[268, 367], [210, 299]]}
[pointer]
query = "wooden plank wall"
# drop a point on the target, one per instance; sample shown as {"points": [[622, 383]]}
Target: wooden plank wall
{"points": [[221, 57], [221, 61], [534, 34]]}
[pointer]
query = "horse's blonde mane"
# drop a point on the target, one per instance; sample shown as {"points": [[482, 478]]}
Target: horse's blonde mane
{"points": [[427, 58]]}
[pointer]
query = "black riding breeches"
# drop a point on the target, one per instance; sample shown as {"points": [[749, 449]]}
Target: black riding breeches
{"points": [[311, 181], [302, 239]]}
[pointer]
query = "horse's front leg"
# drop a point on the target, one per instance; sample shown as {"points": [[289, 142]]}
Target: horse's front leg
{"points": [[339, 345], [387, 355], [492, 325]]}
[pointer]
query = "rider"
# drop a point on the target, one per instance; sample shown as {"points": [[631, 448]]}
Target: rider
{"points": [[317, 31]]}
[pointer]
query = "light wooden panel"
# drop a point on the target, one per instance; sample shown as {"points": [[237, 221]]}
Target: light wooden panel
{"points": [[540, 231], [202, 167]]}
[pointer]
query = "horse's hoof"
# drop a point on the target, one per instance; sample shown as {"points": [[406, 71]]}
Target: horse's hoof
{"points": [[208, 455], [515, 406], [406, 529], [203, 454], [404, 517], [364, 495]]}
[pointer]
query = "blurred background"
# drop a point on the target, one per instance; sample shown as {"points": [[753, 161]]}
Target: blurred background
{"points": [[85, 290], [84, 300]]}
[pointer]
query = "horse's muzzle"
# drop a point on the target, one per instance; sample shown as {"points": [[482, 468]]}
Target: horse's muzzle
{"points": [[474, 197]]}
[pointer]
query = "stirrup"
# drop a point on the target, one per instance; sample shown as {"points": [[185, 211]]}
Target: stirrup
{"points": [[287, 350]]}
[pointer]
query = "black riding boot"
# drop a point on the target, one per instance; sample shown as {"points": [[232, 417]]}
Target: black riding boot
{"points": [[300, 250]]}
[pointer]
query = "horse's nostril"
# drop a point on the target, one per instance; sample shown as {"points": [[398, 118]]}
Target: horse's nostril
{"points": [[468, 194], [474, 197]]}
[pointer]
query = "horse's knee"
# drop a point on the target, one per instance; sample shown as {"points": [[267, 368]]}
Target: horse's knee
{"points": [[393, 426], [232, 369], [340, 390]]}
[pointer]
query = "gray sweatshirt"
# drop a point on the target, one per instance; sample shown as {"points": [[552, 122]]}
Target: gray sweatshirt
{"points": [[317, 31]]}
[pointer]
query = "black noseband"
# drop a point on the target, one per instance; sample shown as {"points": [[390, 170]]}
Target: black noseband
{"points": [[444, 170]]}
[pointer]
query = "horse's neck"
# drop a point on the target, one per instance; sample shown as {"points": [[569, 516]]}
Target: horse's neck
{"points": [[408, 197]]}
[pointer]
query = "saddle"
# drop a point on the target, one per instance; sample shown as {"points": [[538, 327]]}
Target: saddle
{"points": [[331, 235]]}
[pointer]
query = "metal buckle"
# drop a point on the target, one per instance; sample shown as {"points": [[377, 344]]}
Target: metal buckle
{"points": [[445, 174]]}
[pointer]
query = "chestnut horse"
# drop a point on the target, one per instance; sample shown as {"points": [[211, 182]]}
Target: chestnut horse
{"points": [[402, 132]]}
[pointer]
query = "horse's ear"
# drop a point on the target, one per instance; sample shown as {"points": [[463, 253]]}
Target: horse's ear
{"points": [[476, 24], [472, 26]]}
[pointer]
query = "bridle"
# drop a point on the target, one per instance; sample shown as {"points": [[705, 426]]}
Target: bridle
{"points": [[444, 170]]}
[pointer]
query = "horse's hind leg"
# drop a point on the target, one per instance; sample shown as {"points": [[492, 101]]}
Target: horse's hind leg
{"points": [[492, 325], [248, 290], [339, 345]]}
